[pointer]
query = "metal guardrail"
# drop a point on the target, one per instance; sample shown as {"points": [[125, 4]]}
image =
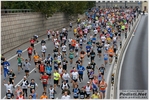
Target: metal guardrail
{"points": [[115, 73], [16, 10]]}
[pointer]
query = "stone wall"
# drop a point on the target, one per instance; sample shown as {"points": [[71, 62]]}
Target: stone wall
{"points": [[17, 29]]}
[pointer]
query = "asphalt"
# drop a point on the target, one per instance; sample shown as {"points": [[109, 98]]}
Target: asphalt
{"points": [[134, 74], [50, 46]]}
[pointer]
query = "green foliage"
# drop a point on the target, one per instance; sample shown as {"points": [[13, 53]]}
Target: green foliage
{"points": [[50, 7]]}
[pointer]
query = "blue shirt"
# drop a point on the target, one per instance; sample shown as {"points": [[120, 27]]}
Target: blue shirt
{"points": [[93, 39], [75, 91], [5, 64], [19, 51], [48, 70], [88, 48], [80, 69]]}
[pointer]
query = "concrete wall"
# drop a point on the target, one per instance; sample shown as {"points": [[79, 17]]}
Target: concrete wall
{"points": [[17, 29]]}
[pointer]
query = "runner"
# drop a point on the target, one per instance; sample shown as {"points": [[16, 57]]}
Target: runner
{"points": [[88, 50], [48, 70], [36, 59], [19, 52], [20, 59], [27, 67], [65, 76], [82, 93], [65, 85], [89, 67], [76, 49], [96, 95], [48, 34], [8, 86], [64, 63], [74, 75], [5, 64], [105, 57], [76, 92], [111, 54], [32, 41], [65, 96], [34, 94], [9, 95], [18, 91], [51, 92], [71, 56], [44, 96], [56, 78], [103, 86], [44, 80], [33, 85], [92, 53], [80, 69], [88, 89], [99, 49], [30, 50], [63, 50], [20, 97], [11, 75], [43, 50], [41, 69], [24, 85]]}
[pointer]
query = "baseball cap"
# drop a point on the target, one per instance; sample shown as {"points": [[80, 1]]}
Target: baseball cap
{"points": [[89, 62], [88, 82]]}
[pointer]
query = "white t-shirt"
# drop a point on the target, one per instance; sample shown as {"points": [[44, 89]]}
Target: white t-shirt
{"points": [[60, 70], [49, 32], [77, 46], [65, 97], [103, 38], [74, 75], [65, 76], [63, 48], [43, 48], [95, 31], [8, 87]]}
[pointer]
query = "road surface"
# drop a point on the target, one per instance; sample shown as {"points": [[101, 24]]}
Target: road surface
{"points": [[50, 47], [134, 74]]}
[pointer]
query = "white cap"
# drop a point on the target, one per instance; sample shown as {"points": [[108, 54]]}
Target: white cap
{"points": [[9, 89], [24, 76], [88, 82], [89, 62]]}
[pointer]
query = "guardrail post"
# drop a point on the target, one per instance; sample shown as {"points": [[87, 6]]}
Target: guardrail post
{"points": [[120, 44], [116, 57], [112, 79], [125, 35]]}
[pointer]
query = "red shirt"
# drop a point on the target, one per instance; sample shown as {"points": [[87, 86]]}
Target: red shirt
{"points": [[20, 97], [32, 41], [30, 50], [45, 79]]}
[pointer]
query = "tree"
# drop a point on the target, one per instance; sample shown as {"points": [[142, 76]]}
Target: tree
{"points": [[48, 8]]}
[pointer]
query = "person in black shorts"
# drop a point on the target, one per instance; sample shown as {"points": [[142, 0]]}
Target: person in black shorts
{"points": [[102, 69], [11, 75], [64, 63]]}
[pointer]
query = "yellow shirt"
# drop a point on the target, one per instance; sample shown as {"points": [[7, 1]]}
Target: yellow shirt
{"points": [[95, 96], [56, 76], [36, 57], [75, 30]]}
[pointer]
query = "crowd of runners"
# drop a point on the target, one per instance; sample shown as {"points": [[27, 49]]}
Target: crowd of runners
{"points": [[96, 37]]}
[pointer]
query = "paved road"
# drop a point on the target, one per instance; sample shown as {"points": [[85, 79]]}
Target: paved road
{"points": [[50, 46], [134, 74]]}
